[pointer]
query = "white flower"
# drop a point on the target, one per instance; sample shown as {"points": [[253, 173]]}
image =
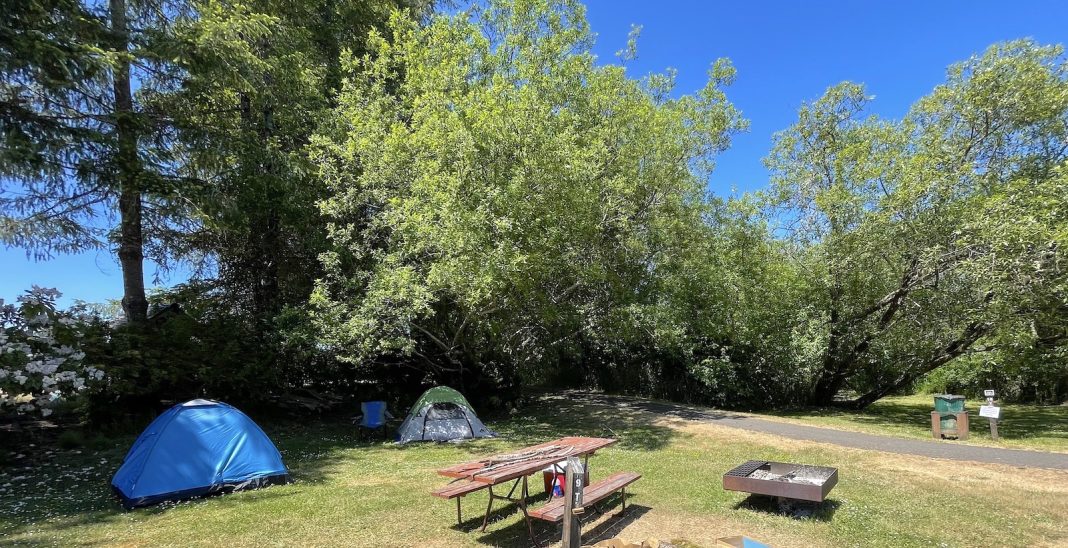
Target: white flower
{"points": [[51, 366], [33, 356]]}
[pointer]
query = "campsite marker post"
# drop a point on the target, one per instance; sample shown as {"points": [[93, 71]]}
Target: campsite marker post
{"points": [[991, 412], [572, 537]]}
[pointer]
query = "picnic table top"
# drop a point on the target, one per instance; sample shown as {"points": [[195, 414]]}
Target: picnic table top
{"points": [[525, 461]]}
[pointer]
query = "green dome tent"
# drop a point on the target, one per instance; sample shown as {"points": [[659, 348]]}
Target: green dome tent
{"points": [[442, 414]]}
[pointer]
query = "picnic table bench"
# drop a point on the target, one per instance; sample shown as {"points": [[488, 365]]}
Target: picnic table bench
{"points": [[455, 490], [596, 492], [517, 466]]}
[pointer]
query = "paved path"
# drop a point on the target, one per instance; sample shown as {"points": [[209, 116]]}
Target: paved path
{"points": [[941, 450]]}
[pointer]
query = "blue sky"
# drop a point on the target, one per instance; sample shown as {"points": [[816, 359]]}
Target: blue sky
{"points": [[785, 53]]}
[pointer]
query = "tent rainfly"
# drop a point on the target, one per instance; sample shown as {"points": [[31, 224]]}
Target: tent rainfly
{"points": [[442, 414], [197, 448]]}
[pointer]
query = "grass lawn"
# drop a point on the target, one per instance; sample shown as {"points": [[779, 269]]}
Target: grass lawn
{"points": [[1042, 427], [377, 494]]}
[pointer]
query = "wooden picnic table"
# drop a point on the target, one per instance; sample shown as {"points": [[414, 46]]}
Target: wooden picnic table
{"points": [[525, 461], [515, 466]]}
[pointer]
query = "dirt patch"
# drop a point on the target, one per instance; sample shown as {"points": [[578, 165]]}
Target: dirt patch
{"points": [[698, 529]]}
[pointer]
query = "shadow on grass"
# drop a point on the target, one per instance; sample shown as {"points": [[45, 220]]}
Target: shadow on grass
{"points": [[311, 449], [1026, 422], [547, 534], [796, 509], [672, 410], [592, 415], [618, 518], [73, 487], [475, 514], [222, 500]]}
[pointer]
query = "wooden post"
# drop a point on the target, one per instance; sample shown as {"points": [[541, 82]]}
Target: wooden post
{"points": [[573, 504], [936, 425], [962, 425], [993, 420]]}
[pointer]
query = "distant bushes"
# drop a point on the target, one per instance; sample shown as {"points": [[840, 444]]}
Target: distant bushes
{"points": [[1022, 378]]}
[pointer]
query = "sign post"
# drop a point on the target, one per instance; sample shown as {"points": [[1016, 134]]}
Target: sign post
{"points": [[573, 504], [991, 412]]}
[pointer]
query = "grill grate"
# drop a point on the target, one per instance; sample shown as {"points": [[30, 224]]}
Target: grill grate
{"points": [[747, 468]]}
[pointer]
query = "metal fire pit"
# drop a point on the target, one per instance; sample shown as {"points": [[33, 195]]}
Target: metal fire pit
{"points": [[782, 479]]}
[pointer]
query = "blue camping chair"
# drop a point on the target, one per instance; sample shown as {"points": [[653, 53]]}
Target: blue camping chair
{"points": [[374, 416]]}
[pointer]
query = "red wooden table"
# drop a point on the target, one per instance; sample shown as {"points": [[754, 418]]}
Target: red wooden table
{"points": [[518, 465]]}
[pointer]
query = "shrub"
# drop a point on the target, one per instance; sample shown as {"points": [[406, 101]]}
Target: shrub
{"points": [[41, 361]]}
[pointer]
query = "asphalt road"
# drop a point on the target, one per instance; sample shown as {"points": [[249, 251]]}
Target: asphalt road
{"points": [[934, 449]]}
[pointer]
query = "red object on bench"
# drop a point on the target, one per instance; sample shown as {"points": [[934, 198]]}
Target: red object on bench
{"points": [[592, 494], [554, 478]]}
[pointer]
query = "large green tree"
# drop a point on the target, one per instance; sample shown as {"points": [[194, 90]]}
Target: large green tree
{"points": [[257, 79], [498, 199], [77, 167], [52, 72], [921, 238]]}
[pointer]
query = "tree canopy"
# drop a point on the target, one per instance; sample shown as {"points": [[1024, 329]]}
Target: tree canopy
{"points": [[394, 193], [508, 196], [923, 237]]}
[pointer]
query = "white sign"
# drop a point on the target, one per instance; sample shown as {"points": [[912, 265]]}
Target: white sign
{"points": [[990, 411], [988, 393]]}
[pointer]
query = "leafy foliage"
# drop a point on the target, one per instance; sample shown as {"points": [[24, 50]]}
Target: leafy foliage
{"points": [[367, 193], [924, 237], [498, 200], [41, 360]]}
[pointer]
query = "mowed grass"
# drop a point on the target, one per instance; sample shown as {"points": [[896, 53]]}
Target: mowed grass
{"points": [[1041, 427], [368, 493]]}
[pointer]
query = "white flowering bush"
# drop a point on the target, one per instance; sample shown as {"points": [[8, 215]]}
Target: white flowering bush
{"points": [[41, 361]]}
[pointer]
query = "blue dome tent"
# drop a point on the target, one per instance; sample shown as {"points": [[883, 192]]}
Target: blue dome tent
{"points": [[197, 448]]}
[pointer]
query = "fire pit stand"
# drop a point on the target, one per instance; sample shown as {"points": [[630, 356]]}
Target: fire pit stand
{"points": [[782, 479]]}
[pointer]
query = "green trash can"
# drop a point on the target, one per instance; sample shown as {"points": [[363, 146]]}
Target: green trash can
{"points": [[948, 403]]}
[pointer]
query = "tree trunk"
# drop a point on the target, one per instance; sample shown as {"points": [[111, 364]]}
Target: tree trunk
{"points": [[266, 236], [131, 239], [972, 333], [840, 363], [831, 377], [260, 260], [269, 233], [829, 384]]}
